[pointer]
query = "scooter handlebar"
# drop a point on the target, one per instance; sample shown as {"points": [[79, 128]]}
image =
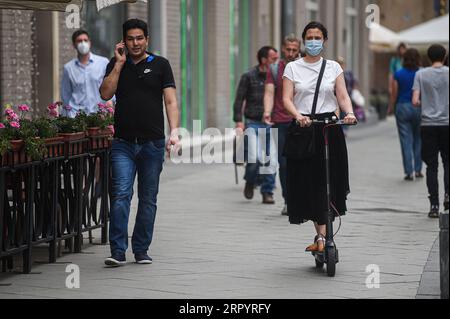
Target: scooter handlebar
{"points": [[333, 121]]}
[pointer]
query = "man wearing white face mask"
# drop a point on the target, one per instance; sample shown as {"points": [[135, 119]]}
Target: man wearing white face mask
{"points": [[82, 78]]}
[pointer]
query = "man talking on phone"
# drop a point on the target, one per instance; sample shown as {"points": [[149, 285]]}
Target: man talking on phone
{"points": [[142, 83]]}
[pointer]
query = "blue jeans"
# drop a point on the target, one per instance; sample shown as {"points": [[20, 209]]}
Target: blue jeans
{"points": [[127, 160], [282, 161], [408, 122], [255, 152]]}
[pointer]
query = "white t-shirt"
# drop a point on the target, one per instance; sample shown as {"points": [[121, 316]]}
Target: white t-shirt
{"points": [[304, 76]]}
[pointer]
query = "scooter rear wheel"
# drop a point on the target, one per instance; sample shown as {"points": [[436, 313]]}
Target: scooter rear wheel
{"points": [[331, 262]]}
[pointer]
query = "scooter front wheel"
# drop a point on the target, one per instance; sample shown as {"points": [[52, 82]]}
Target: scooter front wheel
{"points": [[331, 262]]}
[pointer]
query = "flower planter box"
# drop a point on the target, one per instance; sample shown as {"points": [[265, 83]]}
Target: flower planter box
{"points": [[99, 138], [74, 143], [71, 137], [96, 131], [55, 147], [17, 155]]}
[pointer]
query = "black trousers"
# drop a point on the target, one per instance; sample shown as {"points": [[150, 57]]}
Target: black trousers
{"points": [[435, 140]]}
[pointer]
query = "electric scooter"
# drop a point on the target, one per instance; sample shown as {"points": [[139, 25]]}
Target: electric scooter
{"points": [[330, 257]]}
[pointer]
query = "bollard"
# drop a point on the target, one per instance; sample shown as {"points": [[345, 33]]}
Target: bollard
{"points": [[444, 254]]}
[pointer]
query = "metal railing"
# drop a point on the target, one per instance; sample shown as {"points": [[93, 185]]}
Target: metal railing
{"points": [[53, 201]]}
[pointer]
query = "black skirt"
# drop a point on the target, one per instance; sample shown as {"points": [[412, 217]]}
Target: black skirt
{"points": [[306, 179]]}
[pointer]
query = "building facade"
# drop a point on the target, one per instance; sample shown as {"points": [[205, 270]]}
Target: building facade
{"points": [[209, 43]]}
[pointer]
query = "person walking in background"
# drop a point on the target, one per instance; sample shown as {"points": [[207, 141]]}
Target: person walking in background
{"points": [[306, 181], [408, 117], [274, 111], [143, 84], [82, 78], [251, 94], [355, 95], [431, 94], [396, 64]]}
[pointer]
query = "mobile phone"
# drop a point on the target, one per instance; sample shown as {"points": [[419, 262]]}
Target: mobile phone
{"points": [[122, 50]]}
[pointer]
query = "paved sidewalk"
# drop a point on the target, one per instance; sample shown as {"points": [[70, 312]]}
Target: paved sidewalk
{"points": [[211, 243], [430, 285]]}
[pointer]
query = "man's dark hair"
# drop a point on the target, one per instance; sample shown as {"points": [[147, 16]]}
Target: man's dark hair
{"points": [[315, 25], [437, 53], [411, 59], [135, 24], [263, 53], [77, 33]]}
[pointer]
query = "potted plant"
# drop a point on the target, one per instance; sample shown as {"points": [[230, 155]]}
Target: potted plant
{"points": [[48, 131], [101, 122], [71, 129], [22, 136], [5, 145]]}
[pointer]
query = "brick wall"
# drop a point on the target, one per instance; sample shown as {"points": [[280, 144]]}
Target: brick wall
{"points": [[66, 49], [138, 10], [16, 64], [399, 15]]}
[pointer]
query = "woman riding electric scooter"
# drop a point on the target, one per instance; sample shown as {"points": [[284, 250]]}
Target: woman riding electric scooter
{"points": [[315, 90]]}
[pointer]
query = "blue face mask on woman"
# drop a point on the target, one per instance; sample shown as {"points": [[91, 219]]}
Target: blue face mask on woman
{"points": [[314, 47]]}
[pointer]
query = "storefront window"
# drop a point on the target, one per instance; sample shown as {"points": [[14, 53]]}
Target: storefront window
{"points": [[312, 10], [104, 27], [156, 27], [193, 61], [288, 17], [351, 34]]}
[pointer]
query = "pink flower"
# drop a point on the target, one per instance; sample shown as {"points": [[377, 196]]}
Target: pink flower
{"points": [[53, 113], [24, 108], [68, 108], [110, 110], [111, 127], [101, 106], [13, 117], [9, 112], [2, 126], [53, 106], [15, 124]]}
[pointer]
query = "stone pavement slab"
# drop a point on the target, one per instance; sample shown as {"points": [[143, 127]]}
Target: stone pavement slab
{"points": [[212, 243]]}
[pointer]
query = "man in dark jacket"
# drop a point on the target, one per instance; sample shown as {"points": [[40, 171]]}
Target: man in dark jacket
{"points": [[251, 94]]}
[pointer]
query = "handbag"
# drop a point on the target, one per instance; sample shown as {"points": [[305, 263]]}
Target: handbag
{"points": [[301, 141]]}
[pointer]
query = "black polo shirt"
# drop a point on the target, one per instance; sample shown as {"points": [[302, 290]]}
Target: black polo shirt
{"points": [[139, 95]]}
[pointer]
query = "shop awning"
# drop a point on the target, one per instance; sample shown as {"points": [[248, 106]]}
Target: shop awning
{"points": [[56, 5], [382, 39], [428, 33], [49, 5]]}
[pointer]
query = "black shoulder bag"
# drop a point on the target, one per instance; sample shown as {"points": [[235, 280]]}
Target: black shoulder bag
{"points": [[300, 141]]}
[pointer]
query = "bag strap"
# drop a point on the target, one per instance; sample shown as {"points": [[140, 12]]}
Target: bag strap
{"points": [[319, 83], [274, 68]]}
